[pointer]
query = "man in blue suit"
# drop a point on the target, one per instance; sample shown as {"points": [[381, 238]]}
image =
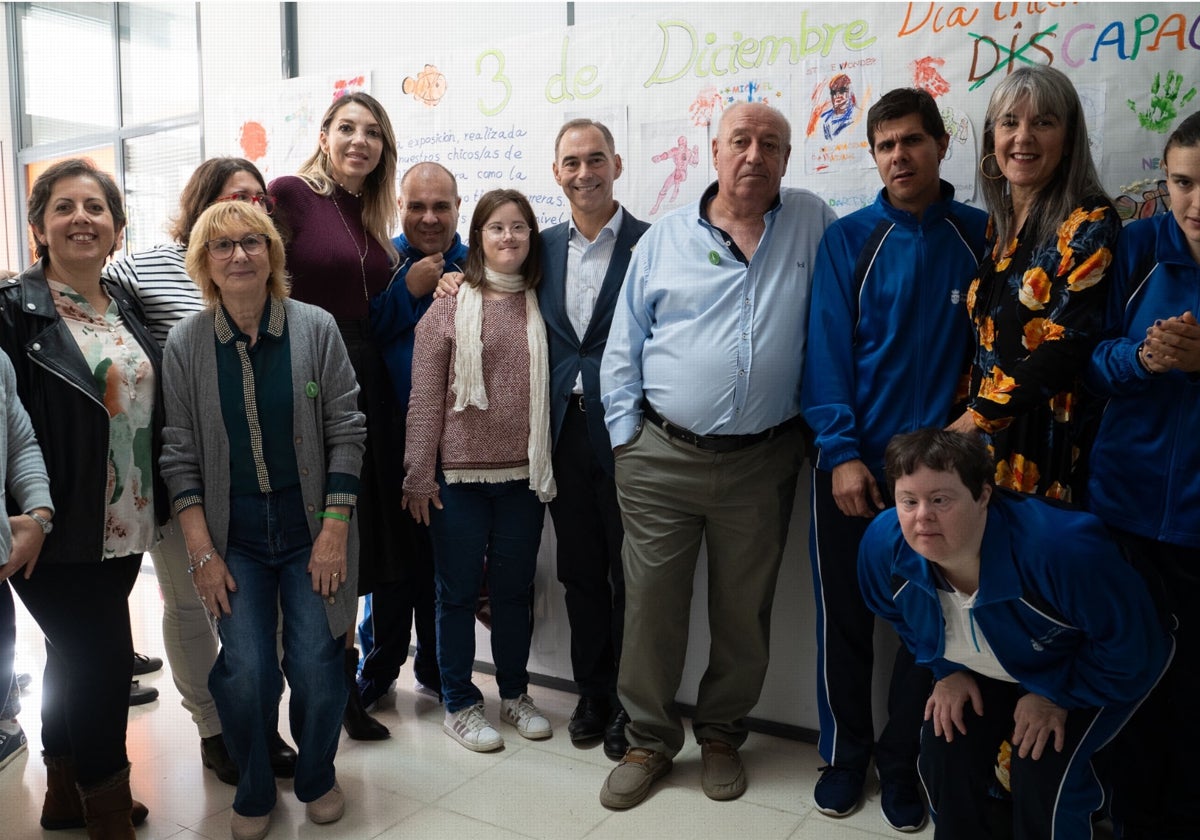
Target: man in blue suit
{"points": [[584, 261]]}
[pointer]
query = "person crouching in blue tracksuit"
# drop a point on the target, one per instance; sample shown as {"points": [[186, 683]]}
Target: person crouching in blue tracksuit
{"points": [[1035, 627]]}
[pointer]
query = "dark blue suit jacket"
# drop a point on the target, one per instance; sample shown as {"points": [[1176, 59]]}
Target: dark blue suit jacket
{"points": [[568, 353]]}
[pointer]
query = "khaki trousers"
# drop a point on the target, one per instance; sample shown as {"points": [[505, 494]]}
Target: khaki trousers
{"points": [[672, 495]]}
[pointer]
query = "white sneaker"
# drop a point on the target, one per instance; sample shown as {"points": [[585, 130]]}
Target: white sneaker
{"points": [[470, 728], [529, 720]]}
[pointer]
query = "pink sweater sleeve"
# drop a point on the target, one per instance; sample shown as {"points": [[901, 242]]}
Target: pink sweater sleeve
{"points": [[432, 358]]}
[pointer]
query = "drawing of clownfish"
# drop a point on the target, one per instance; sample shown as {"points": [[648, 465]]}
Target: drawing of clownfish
{"points": [[428, 87]]}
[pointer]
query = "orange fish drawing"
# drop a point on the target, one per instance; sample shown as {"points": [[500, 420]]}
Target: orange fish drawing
{"points": [[428, 87]]}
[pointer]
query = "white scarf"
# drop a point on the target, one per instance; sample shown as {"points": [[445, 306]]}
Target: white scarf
{"points": [[468, 385]]}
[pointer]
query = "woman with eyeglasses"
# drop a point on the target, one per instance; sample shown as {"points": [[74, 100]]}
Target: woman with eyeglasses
{"points": [[340, 208], [261, 456], [160, 282], [477, 458], [87, 372]]}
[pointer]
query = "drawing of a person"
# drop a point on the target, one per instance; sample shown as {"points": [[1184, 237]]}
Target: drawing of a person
{"points": [[835, 119], [682, 157]]}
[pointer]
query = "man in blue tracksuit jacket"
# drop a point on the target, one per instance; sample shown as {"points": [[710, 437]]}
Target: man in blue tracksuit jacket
{"points": [[1145, 480], [429, 247], [1034, 625], [888, 342]]}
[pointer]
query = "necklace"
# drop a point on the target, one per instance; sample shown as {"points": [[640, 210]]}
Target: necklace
{"points": [[362, 255]]}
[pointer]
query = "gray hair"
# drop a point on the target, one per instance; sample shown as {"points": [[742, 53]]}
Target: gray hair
{"points": [[1048, 91]]}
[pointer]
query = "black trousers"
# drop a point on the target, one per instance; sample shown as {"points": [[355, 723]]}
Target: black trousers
{"points": [[83, 610], [1052, 798], [846, 654], [1153, 759], [587, 525]]}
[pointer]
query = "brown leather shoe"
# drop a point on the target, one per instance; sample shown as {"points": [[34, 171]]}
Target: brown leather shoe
{"points": [[723, 776], [630, 781]]}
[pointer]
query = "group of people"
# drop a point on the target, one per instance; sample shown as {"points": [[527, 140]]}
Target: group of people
{"points": [[258, 403]]}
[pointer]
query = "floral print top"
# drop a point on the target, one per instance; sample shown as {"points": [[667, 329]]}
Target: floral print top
{"points": [[125, 378], [1038, 309]]}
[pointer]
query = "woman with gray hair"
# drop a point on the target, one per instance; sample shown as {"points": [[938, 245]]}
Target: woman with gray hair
{"points": [[1038, 302]]}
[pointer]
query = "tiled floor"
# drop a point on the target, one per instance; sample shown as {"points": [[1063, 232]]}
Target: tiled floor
{"points": [[420, 784]]}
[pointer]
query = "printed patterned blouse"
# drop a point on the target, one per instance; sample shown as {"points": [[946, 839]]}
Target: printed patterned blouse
{"points": [[125, 377], [1038, 309]]}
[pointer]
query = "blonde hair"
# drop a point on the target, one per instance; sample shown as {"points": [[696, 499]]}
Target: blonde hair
{"points": [[380, 211], [216, 222]]}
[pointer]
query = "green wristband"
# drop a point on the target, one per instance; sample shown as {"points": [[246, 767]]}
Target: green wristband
{"points": [[330, 514]]}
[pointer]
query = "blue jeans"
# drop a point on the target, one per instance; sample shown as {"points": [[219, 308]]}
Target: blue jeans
{"points": [[502, 524], [267, 555]]}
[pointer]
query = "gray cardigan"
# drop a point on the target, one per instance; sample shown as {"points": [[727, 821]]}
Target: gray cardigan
{"points": [[330, 431], [22, 470]]}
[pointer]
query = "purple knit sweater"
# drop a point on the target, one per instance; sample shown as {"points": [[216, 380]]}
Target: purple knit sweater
{"points": [[323, 258], [472, 440]]}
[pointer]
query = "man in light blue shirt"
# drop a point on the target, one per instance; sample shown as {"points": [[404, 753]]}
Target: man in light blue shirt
{"points": [[701, 390]]}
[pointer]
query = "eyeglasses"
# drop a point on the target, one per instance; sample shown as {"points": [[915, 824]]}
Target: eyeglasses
{"points": [[520, 231], [252, 244], [266, 202]]}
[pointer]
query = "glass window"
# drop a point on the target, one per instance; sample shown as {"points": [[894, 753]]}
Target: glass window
{"points": [[156, 168], [68, 76], [158, 37]]}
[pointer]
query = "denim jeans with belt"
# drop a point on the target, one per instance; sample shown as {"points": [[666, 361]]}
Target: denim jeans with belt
{"points": [[267, 555], [501, 523]]}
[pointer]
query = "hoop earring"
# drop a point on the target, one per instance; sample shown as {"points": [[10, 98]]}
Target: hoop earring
{"points": [[983, 168]]}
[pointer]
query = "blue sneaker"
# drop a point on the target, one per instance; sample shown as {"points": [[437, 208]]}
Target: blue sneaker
{"points": [[12, 742], [838, 791], [902, 806]]}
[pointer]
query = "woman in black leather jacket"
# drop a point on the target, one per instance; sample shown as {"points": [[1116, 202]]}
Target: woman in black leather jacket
{"points": [[88, 374]]}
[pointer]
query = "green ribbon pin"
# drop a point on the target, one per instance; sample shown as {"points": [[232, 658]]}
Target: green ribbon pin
{"points": [[311, 390], [714, 258]]}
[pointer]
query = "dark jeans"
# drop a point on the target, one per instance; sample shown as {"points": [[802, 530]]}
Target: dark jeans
{"points": [[502, 523], [267, 555], [83, 610], [587, 527]]}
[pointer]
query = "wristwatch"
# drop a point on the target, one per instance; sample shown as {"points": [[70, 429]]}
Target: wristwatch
{"points": [[45, 524]]}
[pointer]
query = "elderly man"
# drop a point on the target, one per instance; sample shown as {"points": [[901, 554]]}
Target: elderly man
{"points": [[584, 261], [429, 247], [888, 340], [701, 383]]}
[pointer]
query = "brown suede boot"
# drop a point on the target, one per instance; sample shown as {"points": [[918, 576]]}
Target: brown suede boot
{"points": [[62, 808], [108, 807]]}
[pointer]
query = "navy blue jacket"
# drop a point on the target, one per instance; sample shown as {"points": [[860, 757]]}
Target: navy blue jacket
{"points": [[568, 353], [888, 332], [1064, 614], [1145, 463], [395, 313]]}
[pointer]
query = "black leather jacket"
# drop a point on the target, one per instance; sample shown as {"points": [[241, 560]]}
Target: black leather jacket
{"points": [[67, 409]]}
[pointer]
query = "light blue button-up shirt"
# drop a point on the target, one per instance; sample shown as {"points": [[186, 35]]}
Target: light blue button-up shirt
{"points": [[713, 343]]}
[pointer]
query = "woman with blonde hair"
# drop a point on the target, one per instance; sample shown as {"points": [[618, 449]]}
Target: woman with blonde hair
{"points": [[263, 447], [340, 208]]}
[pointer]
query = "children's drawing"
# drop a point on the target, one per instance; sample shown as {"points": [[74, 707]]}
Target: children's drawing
{"points": [[428, 87], [682, 157]]}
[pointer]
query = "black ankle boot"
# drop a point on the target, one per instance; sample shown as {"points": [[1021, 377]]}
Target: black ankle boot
{"points": [[359, 725]]}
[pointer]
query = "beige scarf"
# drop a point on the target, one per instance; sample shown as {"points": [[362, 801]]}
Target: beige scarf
{"points": [[468, 385]]}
